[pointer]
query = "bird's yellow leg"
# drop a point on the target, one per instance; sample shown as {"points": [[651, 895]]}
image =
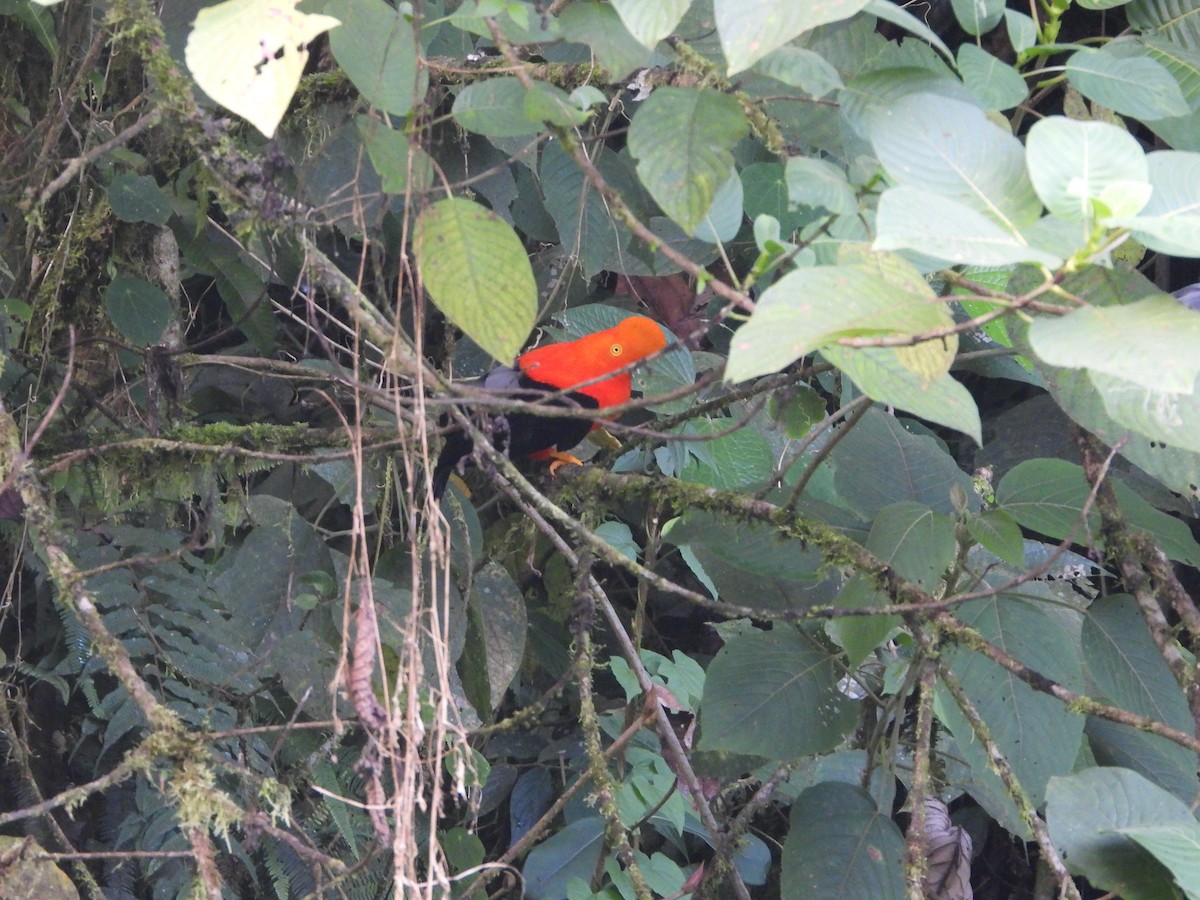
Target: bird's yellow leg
{"points": [[558, 459]]}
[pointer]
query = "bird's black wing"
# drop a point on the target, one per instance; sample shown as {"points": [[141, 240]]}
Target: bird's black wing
{"points": [[517, 433]]}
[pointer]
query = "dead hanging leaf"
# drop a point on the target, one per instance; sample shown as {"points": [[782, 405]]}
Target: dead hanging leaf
{"points": [[672, 300], [948, 849]]}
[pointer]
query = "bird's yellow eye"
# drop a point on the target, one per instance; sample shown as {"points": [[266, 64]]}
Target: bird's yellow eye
{"points": [[616, 349]]}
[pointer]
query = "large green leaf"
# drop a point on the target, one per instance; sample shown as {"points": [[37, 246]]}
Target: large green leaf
{"points": [[377, 48], [1170, 221], [650, 22], [1124, 667], [881, 374], [1180, 132], [740, 460], [1151, 342], [809, 308], [949, 230], [841, 847], [138, 198], [1176, 846], [1086, 169], [495, 107], [879, 463], [1048, 496], [138, 309], [750, 29], [394, 158], [748, 561], [1037, 734], [570, 852], [682, 139], [248, 55], [996, 84], [1086, 813], [1131, 85], [476, 271], [915, 541], [600, 27], [978, 17], [774, 694], [950, 148], [801, 68], [1176, 20], [819, 183], [585, 227], [1170, 418], [499, 623], [1177, 468]]}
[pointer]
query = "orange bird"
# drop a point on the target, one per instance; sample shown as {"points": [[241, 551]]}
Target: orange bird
{"points": [[577, 367]]}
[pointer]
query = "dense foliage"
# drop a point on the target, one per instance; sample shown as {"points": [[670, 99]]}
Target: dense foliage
{"points": [[887, 591]]}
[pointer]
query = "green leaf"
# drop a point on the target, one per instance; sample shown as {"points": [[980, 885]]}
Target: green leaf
{"points": [[585, 227], [1170, 221], [881, 374], [978, 18], [389, 151], [1125, 667], [1086, 813], [818, 183], [723, 220], [750, 29], [138, 309], [945, 229], [936, 144], [998, 532], [248, 55], [766, 193], [547, 103], [682, 139], [920, 545], [1180, 132], [774, 694], [1151, 342], [1037, 734], [1176, 22], [1086, 169], [498, 607], [1176, 846], [871, 95], [377, 49], [800, 68], [1022, 32], [477, 274], [739, 460], [1047, 496], [898, 15], [917, 467], [1172, 419], [1074, 391], [1158, 759], [494, 107], [809, 308], [996, 84], [747, 560], [138, 198], [1130, 85], [840, 845], [649, 21], [601, 27], [570, 852]]}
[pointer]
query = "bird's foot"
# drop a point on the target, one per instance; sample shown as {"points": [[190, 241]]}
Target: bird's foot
{"points": [[558, 459]]}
